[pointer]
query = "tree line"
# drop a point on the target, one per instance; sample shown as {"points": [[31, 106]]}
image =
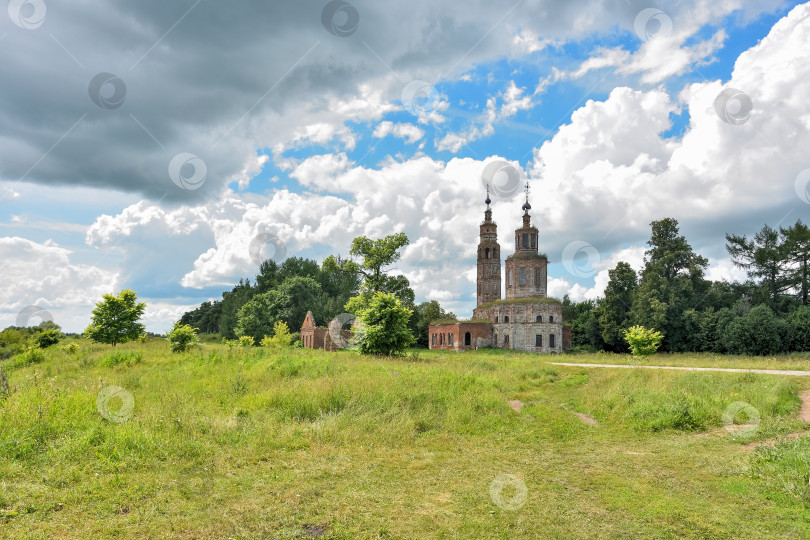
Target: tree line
{"points": [[766, 314], [286, 291]]}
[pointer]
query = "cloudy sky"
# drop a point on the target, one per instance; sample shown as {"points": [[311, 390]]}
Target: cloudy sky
{"points": [[167, 145]]}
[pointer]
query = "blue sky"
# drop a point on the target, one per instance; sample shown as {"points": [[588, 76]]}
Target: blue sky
{"points": [[311, 135]]}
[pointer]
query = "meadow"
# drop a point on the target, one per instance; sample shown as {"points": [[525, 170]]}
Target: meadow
{"points": [[253, 443]]}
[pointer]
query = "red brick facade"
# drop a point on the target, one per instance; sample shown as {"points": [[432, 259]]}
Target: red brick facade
{"points": [[460, 336]]}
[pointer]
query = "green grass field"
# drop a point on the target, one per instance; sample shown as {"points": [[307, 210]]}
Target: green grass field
{"points": [[303, 444]]}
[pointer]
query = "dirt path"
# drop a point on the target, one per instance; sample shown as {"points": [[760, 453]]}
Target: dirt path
{"points": [[731, 370]]}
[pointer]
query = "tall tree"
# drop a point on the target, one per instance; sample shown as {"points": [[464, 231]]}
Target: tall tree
{"points": [[797, 248], [375, 256], [289, 302], [765, 258], [116, 318], [614, 310], [671, 283]]}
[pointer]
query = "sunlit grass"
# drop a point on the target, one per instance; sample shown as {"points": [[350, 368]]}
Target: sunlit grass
{"points": [[234, 443]]}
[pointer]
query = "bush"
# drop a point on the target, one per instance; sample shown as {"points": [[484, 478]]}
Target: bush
{"points": [[799, 322], [246, 342], [281, 337], [182, 337], [31, 355], [383, 328], [759, 332], [47, 337], [642, 341], [121, 357], [70, 348]]}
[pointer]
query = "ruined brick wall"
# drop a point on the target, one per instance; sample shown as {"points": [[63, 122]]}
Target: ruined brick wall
{"points": [[454, 336], [519, 321]]}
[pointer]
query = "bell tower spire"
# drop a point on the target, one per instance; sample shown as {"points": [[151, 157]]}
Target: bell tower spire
{"points": [[489, 259]]}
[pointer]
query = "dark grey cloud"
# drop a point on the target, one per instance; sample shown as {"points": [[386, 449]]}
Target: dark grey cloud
{"points": [[221, 79]]}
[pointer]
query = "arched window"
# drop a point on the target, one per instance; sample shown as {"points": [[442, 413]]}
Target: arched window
{"points": [[441, 339], [506, 318], [496, 340], [534, 240], [433, 339], [551, 340], [551, 318], [450, 339], [496, 318], [509, 277], [506, 340], [525, 240], [539, 318], [522, 276], [468, 339], [486, 253]]}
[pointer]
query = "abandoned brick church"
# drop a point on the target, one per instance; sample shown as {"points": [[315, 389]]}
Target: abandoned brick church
{"points": [[527, 320]]}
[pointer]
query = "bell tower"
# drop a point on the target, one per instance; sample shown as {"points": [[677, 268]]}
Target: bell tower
{"points": [[489, 259], [526, 269]]}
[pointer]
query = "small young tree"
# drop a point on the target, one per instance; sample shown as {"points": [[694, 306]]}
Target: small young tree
{"points": [[642, 341], [115, 319], [385, 324], [281, 337], [47, 337], [182, 337]]}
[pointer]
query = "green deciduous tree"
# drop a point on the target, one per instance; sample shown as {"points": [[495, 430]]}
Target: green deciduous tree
{"points": [[281, 337], [642, 341], [759, 332], [384, 324], [289, 302], [376, 255], [116, 318], [182, 337], [614, 310]]}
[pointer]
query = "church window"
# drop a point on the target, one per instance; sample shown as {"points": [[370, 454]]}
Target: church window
{"points": [[486, 253], [441, 339], [551, 340], [496, 340], [534, 240], [525, 240], [506, 340], [539, 318], [467, 339], [522, 276], [506, 318], [551, 318], [433, 340], [509, 277], [450, 339], [496, 318], [538, 340], [537, 277]]}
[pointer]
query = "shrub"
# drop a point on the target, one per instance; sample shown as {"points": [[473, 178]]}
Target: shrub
{"points": [[246, 342], [281, 337], [182, 337], [70, 348], [121, 357], [48, 337], [5, 389], [642, 341], [759, 332], [31, 355]]}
